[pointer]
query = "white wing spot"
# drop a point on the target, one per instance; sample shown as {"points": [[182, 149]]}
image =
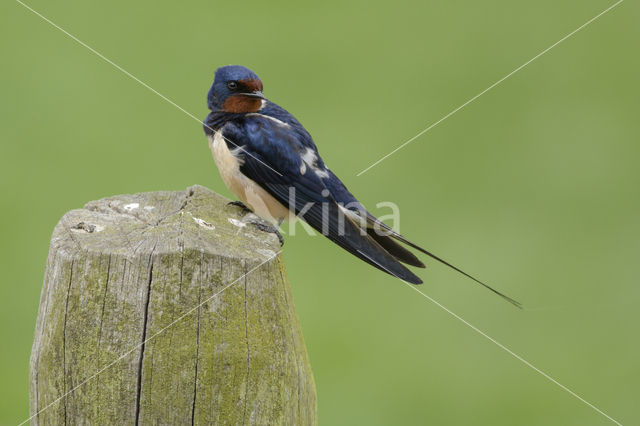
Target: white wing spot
{"points": [[132, 206], [309, 157], [321, 173]]}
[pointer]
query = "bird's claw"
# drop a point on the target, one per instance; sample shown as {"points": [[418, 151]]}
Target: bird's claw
{"points": [[240, 204], [267, 227]]}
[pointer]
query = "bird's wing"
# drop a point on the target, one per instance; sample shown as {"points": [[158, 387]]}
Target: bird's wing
{"points": [[272, 157], [363, 219]]}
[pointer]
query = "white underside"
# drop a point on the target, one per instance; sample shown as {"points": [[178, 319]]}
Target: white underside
{"points": [[249, 192]]}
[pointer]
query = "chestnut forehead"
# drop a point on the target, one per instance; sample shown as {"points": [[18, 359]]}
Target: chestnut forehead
{"points": [[251, 84]]}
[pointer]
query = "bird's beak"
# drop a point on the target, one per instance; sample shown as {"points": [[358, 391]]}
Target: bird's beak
{"points": [[257, 94]]}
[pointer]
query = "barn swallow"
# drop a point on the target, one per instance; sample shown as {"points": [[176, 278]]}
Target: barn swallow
{"points": [[270, 162]]}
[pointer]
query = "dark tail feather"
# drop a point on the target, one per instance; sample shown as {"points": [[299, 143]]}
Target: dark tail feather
{"points": [[444, 262], [373, 253], [341, 230], [373, 220], [399, 271], [395, 249]]}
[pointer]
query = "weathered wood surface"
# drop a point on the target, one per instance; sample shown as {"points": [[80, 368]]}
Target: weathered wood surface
{"points": [[131, 268]]}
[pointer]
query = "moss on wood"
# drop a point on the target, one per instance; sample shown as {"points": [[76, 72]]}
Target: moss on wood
{"points": [[136, 290]]}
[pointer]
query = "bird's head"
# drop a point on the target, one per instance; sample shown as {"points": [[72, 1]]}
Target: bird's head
{"points": [[235, 89]]}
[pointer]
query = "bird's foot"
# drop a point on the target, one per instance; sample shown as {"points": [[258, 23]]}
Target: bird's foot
{"points": [[265, 226], [240, 204]]}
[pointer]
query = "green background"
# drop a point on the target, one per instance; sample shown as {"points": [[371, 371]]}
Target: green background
{"points": [[532, 187]]}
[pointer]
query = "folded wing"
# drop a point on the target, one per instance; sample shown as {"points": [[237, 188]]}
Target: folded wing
{"points": [[273, 160]]}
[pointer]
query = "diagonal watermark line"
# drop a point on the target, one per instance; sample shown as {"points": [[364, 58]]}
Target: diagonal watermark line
{"points": [[112, 363], [377, 162], [133, 77], [490, 87], [515, 355], [500, 345]]}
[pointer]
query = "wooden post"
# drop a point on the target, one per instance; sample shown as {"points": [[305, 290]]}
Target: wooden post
{"points": [[166, 308]]}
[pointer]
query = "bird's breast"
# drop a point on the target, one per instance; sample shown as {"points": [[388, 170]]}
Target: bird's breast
{"points": [[248, 191]]}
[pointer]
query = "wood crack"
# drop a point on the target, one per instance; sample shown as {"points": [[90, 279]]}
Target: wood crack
{"points": [[144, 337], [181, 246], [64, 342], [195, 378], [104, 300], [246, 337], [183, 206]]}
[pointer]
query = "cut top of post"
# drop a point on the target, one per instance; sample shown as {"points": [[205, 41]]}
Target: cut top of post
{"points": [[132, 223]]}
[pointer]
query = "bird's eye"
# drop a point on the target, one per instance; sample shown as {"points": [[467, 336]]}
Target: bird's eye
{"points": [[232, 85]]}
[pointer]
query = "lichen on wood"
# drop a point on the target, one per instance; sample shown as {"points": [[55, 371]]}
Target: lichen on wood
{"points": [[185, 314]]}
